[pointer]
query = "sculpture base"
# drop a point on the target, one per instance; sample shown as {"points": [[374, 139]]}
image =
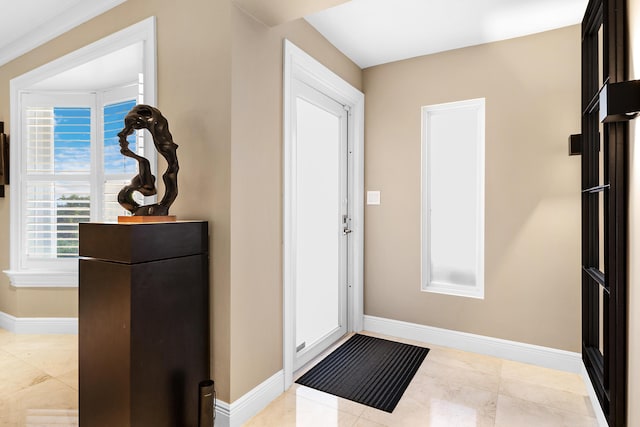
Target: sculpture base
{"points": [[136, 219], [143, 330]]}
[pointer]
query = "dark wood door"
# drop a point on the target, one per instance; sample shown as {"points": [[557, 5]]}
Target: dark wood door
{"points": [[604, 211]]}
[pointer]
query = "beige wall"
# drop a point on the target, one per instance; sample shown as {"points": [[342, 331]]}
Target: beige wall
{"points": [[194, 74], [220, 85], [8, 299], [256, 189], [532, 201], [634, 227], [230, 170]]}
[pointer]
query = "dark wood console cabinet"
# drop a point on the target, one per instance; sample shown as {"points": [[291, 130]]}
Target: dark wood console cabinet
{"points": [[143, 323]]}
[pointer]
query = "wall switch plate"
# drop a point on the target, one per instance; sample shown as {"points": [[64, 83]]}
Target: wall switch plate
{"points": [[373, 197]]}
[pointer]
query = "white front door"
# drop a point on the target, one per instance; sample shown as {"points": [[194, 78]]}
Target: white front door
{"points": [[321, 222]]}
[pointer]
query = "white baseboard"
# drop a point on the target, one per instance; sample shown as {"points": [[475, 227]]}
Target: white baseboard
{"points": [[223, 414], [240, 411], [520, 352], [602, 421], [38, 325]]}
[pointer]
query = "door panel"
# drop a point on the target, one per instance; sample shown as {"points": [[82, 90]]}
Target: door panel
{"points": [[604, 211], [320, 138]]}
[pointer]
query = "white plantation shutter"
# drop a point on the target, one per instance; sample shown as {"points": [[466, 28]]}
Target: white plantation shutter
{"points": [[72, 156], [72, 172], [53, 212], [111, 209], [56, 183], [39, 139]]}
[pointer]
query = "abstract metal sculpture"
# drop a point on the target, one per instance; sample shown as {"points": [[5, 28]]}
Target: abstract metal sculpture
{"points": [[150, 118]]}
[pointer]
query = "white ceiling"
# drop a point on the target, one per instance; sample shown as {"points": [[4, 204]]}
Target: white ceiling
{"points": [[27, 24], [370, 32], [373, 32]]}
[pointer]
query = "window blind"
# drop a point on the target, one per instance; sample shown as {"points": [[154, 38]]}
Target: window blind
{"points": [[61, 189], [58, 145]]}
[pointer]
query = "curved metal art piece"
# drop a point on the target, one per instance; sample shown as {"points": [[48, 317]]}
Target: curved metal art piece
{"points": [[150, 118]]}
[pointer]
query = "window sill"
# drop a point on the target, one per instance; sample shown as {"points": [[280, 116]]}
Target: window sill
{"points": [[43, 279], [454, 290]]}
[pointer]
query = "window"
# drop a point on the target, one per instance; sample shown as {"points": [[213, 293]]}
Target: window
{"points": [[453, 198], [57, 147], [71, 172], [74, 170]]}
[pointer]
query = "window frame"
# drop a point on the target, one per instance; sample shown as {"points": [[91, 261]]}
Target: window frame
{"points": [[477, 107], [143, 32]]}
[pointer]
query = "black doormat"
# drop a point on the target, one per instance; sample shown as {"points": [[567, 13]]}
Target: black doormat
{"points": [[367, 370]]}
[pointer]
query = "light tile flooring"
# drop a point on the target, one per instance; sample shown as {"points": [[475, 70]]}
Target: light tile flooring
{"points": [[39, 387], [451, 389], [38, 380]]}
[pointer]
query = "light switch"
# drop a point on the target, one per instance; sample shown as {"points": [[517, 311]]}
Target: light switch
{"points": [[373, 197]]}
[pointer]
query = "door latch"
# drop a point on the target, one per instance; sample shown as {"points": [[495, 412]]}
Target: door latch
{"points": [[346, 224]]}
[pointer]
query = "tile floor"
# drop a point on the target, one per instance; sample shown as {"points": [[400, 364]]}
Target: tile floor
{"points": [[451, 389], [39, 387], [38, 380]]}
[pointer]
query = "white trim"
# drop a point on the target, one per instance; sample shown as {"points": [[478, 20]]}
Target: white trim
{"points": [[43, 279], [79, 14], [240, 411], [38, 325], [145, 32], [512, 350], [595, 403], [300, 66], [223, 414]]}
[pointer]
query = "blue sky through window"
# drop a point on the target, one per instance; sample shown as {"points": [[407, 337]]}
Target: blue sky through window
{"points": [[114, 161], [72, 139]]}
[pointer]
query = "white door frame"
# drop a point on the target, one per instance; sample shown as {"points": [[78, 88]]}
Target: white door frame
{"points": [[298, 65]]}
